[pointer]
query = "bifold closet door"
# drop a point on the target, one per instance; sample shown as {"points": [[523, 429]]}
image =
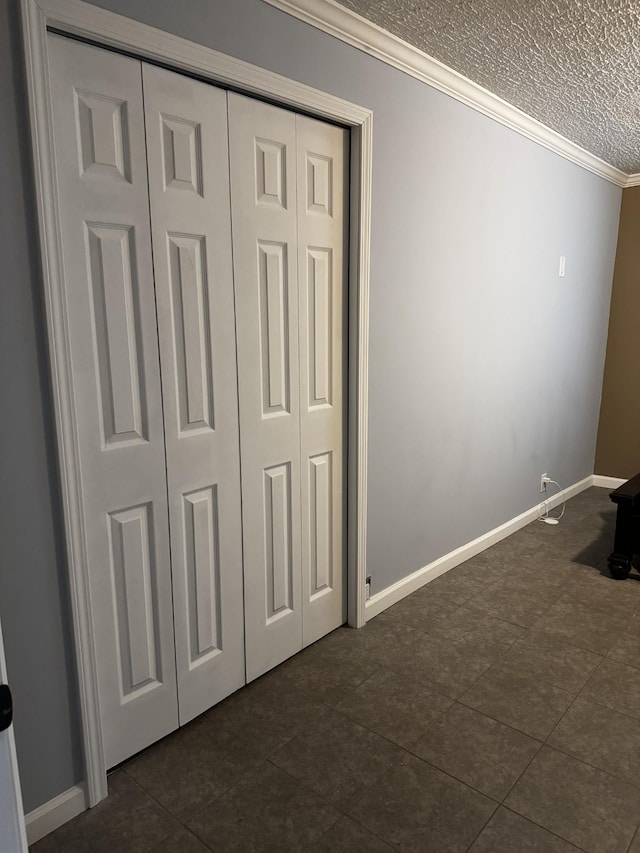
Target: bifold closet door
{"points": [[322, 153], [287, 199], [262, 142], [110, 323], [186, 124], [193, 449]]}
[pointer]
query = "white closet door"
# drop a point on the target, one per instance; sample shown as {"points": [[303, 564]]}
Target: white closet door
{"points": [[263, 186], [186, 123], [110, 318], [321, 158]]}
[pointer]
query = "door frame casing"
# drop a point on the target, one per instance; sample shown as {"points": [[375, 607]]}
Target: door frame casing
{"points": [[108, 29]]}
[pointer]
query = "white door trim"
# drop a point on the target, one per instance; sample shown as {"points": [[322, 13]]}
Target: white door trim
{"points": [[105, 28]]}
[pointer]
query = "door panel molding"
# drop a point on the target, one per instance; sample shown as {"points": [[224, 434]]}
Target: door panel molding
{"points": [[108, 29]]}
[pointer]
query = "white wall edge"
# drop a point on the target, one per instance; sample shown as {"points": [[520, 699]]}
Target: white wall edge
{"points": [[399, 590], [52, 814], [633, 180], [349, 27], [607, 482]]}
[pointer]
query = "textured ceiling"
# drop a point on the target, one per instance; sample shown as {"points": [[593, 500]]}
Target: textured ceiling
{"points": [[572, 64]]}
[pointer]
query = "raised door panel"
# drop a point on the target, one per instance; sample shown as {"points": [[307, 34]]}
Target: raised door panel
{"points": [[116, 324], [264, 204], [322, 201], [102, 126], [202, 563], [278, 541], [273, 328], [193, 347], [187, 144], [108, 287], [134, 580]]}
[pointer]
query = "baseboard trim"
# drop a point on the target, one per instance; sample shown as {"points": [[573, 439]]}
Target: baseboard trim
{"points": [[399, 590], [55, 812], [607, 482]]}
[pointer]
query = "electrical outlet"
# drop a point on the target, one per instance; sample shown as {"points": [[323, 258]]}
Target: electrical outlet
{"points": [[367, 588], [544, 479]]}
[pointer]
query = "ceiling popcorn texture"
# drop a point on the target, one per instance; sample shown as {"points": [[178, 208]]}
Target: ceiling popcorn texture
{"points": [[572, 64]]}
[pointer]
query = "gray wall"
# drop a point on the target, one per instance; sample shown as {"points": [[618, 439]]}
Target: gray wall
{"points": [[485, 367]]}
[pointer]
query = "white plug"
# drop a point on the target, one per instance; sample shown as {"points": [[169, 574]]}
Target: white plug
{"points": [[544, 479]]}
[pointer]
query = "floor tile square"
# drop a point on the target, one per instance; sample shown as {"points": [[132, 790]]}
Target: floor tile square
{"points": [[486, 565], [602, 737], [479, 751], [380, 641], [597, 590], [421, 611], [346, 836], [455, 588], [336, 758], [489, 634], [510, 602], [519, 700], [584, 626], [508, 832], [540, 574], [394, 707], [267, 811], [415, 807], [626, 648], [262, 715], [581, 804], [551, 660], [325, 671], [450, 664], [615, 685], [127, 820], [191, 767]]}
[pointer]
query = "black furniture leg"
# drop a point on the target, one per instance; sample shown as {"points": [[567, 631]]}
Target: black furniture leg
{"points": [[627, 536]]}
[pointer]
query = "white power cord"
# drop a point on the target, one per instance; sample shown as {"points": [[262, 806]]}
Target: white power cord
{"points": [[549, 519]]}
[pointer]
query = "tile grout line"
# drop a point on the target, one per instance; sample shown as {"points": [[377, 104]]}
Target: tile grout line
{"points": [[166, 810], [550, 831]]}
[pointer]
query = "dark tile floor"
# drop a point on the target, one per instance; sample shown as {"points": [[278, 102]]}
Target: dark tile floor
{"points": [[496, 710]]}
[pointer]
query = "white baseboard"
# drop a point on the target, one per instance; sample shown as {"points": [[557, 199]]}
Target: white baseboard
{"points": [[607, 482], [55, 812], [399, 590]]}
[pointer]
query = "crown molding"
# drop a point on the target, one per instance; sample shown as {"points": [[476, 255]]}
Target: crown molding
{"points": [[349, 27], [633, 180]]}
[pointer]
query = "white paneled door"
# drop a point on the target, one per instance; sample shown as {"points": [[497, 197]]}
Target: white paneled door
{"points": [[188, 156], [288, 201], [98, 128], [262, 141], [203, 243], [321, 157]]}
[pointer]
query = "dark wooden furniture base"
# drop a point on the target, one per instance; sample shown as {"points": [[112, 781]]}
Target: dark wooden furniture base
{"points": [[627, 536]]}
